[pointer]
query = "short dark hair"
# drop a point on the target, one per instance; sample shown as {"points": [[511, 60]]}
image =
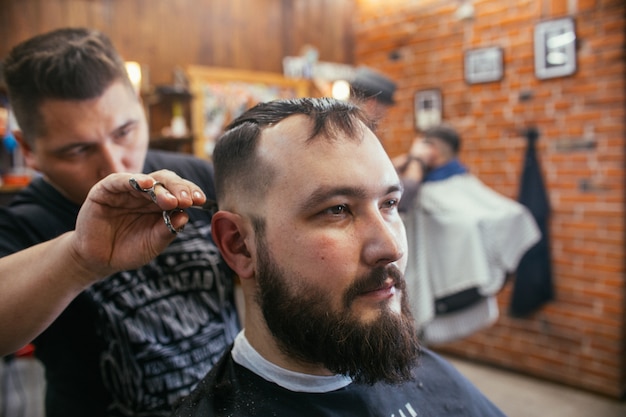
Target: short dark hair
{"points": [[65, 64], [446, 134], [237, 166]]}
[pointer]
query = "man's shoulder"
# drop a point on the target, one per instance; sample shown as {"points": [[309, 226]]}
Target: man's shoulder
{"points": [[230, 389], [444, 387], [204, 400]]}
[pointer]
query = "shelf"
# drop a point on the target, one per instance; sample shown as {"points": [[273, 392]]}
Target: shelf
{"points": [[160, 104], [182, 144]]}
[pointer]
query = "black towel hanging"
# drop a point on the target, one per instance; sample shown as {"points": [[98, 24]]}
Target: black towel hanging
{"points": [[533, 285]]}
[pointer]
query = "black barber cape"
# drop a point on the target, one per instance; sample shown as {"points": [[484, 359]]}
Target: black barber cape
{"points": [[438, 390]]}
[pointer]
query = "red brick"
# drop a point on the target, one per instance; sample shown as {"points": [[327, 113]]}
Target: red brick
{"points": [[585, 5], [579, 337], [558, 7]]}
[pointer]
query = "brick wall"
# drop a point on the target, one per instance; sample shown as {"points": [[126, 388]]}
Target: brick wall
{"points": [[579, 338]]}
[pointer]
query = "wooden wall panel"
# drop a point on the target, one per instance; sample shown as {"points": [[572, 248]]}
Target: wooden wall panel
{"points": [[244, 34]]}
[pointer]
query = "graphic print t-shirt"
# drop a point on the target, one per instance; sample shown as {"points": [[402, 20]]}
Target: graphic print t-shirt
{"points": [[133, 343]]}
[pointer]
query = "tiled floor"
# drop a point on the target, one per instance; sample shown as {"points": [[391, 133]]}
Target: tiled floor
{"points": [[523, 396]]}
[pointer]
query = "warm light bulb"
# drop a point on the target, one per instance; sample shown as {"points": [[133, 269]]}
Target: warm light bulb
{"points": [[134, 74], [341, 90]]}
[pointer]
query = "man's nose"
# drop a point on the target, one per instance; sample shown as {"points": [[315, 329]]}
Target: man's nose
{"points": [[385, 241], [111, 157]]}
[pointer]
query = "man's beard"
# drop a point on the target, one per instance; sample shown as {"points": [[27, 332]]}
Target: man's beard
{"points": [[307, 329]]}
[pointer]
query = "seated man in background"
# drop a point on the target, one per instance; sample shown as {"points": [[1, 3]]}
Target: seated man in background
{"points": [[125, 328], [308, 220], [464, 238]]}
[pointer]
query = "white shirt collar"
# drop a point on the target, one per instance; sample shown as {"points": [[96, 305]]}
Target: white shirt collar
{"points": [[245, 355]]}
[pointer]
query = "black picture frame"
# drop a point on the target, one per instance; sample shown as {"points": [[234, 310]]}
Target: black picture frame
{"points": [[484, 65], [555, 48], [428, 108]]}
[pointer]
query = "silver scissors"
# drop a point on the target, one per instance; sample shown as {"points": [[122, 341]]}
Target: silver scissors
{"points": [[209, 205]]}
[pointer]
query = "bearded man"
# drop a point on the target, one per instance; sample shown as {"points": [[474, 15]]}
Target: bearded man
{"points": [[309, 221]]}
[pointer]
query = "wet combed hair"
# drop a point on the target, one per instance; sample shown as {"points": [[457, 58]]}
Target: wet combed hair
{"points": [[445, 134], [65, 64], [237, 165]]}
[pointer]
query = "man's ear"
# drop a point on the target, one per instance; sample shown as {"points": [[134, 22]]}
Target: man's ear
{"points": [[229, 234], [27, 151]]}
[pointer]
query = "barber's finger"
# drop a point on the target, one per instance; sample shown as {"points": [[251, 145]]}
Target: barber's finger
{"points": [[155, 190], [186, 192]]}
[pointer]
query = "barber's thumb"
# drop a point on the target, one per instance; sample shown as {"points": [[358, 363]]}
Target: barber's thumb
{"points": [[175, 220]]}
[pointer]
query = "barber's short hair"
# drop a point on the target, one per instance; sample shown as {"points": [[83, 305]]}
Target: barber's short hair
{"points": [[238, 169], [64, 64], [447, 134]]}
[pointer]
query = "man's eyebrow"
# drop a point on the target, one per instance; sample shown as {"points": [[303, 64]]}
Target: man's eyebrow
{"points": [[126, 125], [320, 195]]}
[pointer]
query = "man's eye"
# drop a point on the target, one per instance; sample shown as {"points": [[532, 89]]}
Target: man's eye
{"points": [[122, 133], [337, 210], [76, 151], [391, 203]]}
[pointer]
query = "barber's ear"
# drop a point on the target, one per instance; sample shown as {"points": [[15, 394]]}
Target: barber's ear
{"points": [[29, 156], [229, 234]]}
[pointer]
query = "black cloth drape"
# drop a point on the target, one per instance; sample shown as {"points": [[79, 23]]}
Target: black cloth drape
{"points": [[533, 282]]}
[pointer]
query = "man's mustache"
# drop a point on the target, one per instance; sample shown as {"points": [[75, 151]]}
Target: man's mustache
{"points": [[375, 280]]}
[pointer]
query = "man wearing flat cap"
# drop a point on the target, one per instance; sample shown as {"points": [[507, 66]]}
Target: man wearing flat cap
{"points": [[374, 92]]}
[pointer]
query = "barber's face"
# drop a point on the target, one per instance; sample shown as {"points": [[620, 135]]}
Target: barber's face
{"points": [[333, 252], [89, 139]]}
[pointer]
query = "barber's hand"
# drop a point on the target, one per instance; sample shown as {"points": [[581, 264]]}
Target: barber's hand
{"points": [[120, 228]]}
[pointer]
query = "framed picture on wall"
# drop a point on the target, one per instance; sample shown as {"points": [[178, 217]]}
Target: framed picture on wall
{"points": [[555, 48], [428, 108], [484, 65], [222, 94]]}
